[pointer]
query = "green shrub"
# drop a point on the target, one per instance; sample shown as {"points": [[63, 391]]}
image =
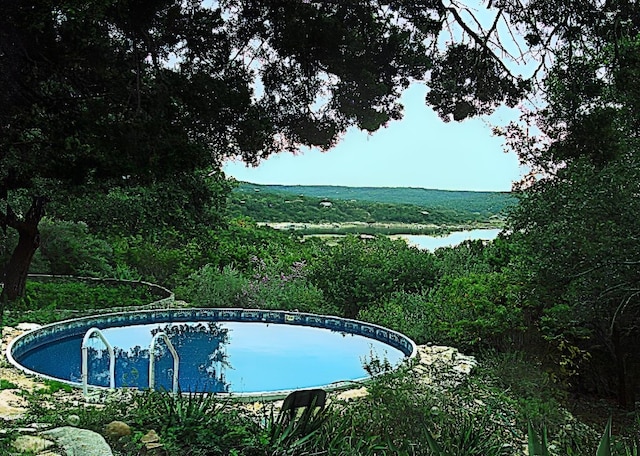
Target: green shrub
{"points": [[539, 445], [209, 287], [86, 295], [538, 399], [408, 313], [48, 301], [357, 273], [195, 424], [398, 414], [166, 261], [6, 384], [69, 248], [265, 289], [278, 286], [477, 310]]}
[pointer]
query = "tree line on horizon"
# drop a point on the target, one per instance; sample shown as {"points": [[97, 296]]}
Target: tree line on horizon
{"points": [[271, 204]]}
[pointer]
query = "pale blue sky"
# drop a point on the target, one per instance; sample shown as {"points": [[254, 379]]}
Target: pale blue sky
{"points": [[419, 151]]}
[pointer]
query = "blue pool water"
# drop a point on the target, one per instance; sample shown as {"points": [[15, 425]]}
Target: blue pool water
{"points": [[216, 356]]}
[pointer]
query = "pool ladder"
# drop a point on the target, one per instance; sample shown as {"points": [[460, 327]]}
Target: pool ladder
{"points": [[85, 357], [112, 360], [152, 361]]}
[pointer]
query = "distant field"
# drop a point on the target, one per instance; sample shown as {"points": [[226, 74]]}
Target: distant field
{"points": [[360, 228], [325, 209]]}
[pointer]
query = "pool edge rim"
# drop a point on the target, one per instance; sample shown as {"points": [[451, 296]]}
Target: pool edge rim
{"points": [[339, 385]]}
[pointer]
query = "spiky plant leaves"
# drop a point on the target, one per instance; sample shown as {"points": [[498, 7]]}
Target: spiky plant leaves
{"points": [[537, 447], [604, 448]]}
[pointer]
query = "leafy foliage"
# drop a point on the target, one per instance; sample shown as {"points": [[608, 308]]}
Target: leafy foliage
{"points": [[357, 273], [477, 309], [581, 256], [67, 248], [189, 203], [266, 288]]}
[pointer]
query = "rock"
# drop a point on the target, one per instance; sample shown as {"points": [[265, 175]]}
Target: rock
{"points": [[117, 429], [441, 366], [31, 443], [28, 326], [150, 437], [79, 442], [353, 394], [12, 406], [40, 425], [152, 445], [73, 420]]}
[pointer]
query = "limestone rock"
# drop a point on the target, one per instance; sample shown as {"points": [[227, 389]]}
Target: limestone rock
{"points": [[12, 406], [79, 442], [353, 394], [19, 379], [27, 326], [152, 445], [150, 437], [31, 443], [117, 429], [442, 367]]}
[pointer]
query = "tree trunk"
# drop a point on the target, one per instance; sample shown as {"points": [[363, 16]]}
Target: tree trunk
{"points": [[626, 387], [15, 273]]}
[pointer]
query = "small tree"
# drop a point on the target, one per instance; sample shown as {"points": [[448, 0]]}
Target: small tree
{"points": [[580, 221]]}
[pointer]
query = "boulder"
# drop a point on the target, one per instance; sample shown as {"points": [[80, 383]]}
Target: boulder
{"points": [[79, 442], [117, 429], [31, 443]]}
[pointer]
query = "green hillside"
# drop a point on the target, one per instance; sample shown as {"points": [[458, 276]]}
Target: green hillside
{"points": [[493, 202], [327, 204]]}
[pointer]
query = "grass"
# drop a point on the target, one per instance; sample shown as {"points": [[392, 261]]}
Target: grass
{"points": [[6, 384], [55, 300]]}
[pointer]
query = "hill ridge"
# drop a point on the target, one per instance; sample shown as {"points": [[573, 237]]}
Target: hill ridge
{"points": [[471, 200], [368, 187]]}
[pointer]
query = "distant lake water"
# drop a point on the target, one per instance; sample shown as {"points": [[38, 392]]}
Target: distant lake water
{"points": [[432, 243]]}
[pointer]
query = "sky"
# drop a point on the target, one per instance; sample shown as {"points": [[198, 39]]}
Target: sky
{"points": [[418, 151]]}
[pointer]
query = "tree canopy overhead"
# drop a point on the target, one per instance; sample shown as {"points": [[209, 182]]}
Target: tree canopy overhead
{"points": [[107, 88], [120, 93]]}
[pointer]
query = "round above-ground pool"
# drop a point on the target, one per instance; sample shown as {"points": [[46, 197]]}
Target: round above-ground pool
{"points": [[238, 351]]}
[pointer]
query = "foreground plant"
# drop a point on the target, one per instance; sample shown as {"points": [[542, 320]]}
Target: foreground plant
{"points": [[539, 445]]}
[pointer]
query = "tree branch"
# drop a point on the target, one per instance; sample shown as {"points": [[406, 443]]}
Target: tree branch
{"points": [[480, 41], [621, 308]]}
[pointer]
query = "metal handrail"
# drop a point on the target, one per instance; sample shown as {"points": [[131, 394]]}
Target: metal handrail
{"points": [[152, 358], [85, 356]]}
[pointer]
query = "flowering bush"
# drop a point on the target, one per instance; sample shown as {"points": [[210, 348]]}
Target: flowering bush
{"points": [[271, 286]]}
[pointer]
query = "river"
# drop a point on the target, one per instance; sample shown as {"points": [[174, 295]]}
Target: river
{"points": [[431, 243]]}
